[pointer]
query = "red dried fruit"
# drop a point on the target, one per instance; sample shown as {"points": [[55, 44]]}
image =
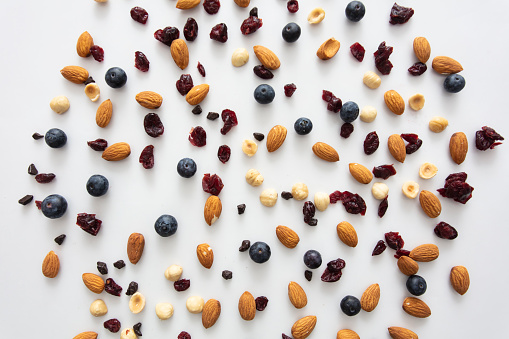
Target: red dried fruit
{"points": [[38, 204], [353, 203], [445, 231], [263, 72], [401, 252], [97, 52], [230, 119], [414, 143], [293, 6], [112, 287], [284, 336], [358, 51], [309, 212], [184, 335], [191, 29], [181, 285], [290, 89], [382, 62], [394, 240], [167, 35], [327, 95], [456, 188], [112, 325], [147, 157], [98, 144], [333, 271], [371, 143], [334, 104], [251, 25], [223, 153], [141, 62], [139, 14], [400, 14], [384, 171], [417, 69], [219, 33], [184, 84], [261, 303], [382, 208], [212, 184], [201, 69], [88, 223], [198, 136], [153, 125], [346, 130], [486, 138], [379, 248], [211, 6], [44, 178]]}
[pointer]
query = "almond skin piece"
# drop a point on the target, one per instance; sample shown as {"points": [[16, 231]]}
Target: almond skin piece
{"points": [[135, 246], [328, 49], [267, 57], [74, 74], [401, 333], [276, 137], [407, 265], [325, 152], [425, 253], [416, 307], [93, 282], [117, 152], [397, 147], [247, 306], [446, 65], [458, 147], [187, 4], [394, 102], [104, 113], [460, 279], [180, 53], [210, 313], [287, 236], [85, 41], [347, 234], [86, 335], [422, 49], [303, 327], [212, 210], [149, 99], [297, 295], [50, 265], [430, 204], [347, 334], [370, 298], [360, 173], [205, 255], [197, 94]]}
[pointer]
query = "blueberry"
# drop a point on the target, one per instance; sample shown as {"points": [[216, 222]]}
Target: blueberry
{"points": [[186, 167], [264, 94], [349, 111], [97, 185], [350, 305], [355, 11], [115, 77], [303, 126], [291, 32], [454, 83], [312, 259], [259, 252], [416, 285], [166, 225], [55, 138], [54, 206]]}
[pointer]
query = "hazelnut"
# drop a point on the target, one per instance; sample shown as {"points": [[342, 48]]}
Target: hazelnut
{"points": [[316, 16], [195, 304], [254, 178], [268, 197], [164, 310], [98, 308], [427, 170], [59, 104], [173, 272], [92, 91], [249, 147], [240, 57], [410, 189], [300, 191], [322, 201], [372, 80], [380, 190], [416, 101], [368, 114], [128, 333], [438, 124], [137, 303]]}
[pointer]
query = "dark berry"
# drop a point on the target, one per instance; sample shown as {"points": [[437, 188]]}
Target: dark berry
{"points": [[147, 157], [181, 285], [241, 208], [312, 259], [219, 33], [445, 231], [153, 125], [227, 275], [291, 32], [119, 264], [454, 83], [394, 240], [98, 145], [54, 206], [186, 167], [487, 138], [357, 51], [89, 223], [350, 305], [191, 29], [309, 212], [132, 288], [355, 11], [197, 110], [384, 171], [379, 248], [303, 126], [97, 185], [417, 69], [261, 303], [263, 72], [400, 14], [401, 252], [416, 285], [211, 6], [212, 184], [44, 178], [102, 267], [201, 69], [382, 208], [97, 53], [141, 62], [212, 115], [333, 271], [244, 246], [184, 84], [184, 335], [353, 203], [139, 15], [198, 136], [259, 252], [264, 94], [55, 138], [112, 325], [167, 35], [166, 225], [292, 6], [371, 143], [111, 287], [223, 153], [346, 130], [290, 89], [308, 275], [115, 77]]}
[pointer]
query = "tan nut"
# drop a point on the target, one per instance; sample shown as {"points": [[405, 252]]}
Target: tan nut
{"points": [[249, 147], [164, 310], [372, 80], [137, 303], [316, 15], [322, 201], [128, 333], [328, 49], [268, 197], [416, 102], [242, 3], [254, 178], [410, 189], [195, 304], [98, 308], [59, 104], [300, 191], [92, 91], [368, 114], [380, 190], [240, 57], [173, 272], [438, 124], [427, 170]]}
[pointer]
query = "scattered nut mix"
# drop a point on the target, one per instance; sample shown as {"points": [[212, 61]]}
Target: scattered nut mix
{"points": [[137, 303], [249, 147], [164, 311], [416, 102], [438, 124], [379, 190], [254, 178], [368, 114], [322, 201], [173, 272], [316, 15], [268, 197], [427, 170], [240, 57], [59, 104], [195, 304], [98, 308], [410, 189], [300, 191]]}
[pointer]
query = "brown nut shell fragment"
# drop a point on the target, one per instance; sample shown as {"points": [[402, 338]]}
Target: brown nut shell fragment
{"points": [[180, 53], [85, 41], [104, 113], [135, 246], [460, 279], [458, 147], [397, 147], [446, 65], [268, 58], [197, 94], [50, 265], [328, 49], [394, 102]]}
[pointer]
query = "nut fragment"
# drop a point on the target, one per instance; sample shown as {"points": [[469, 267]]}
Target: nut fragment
{"points": [[368, 114], [410, 189], [322, 201], [328, 49], [438, 124], [240, 57], [249, 147], [316, 15], [372, 80], [254, 178], [416, 101], [92, 91], [164, 310], [128, 333], [59, 104], [195, 304], [300, 191], [380, 190], [173, 272], [98, 308], [268, 197], [427, 170], [137, 303]]}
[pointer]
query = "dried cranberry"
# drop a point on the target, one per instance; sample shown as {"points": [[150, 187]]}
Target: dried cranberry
{"points": [[334, 197], [201, 69], [486, 138], [44, 178], [456, 188], [284, 336], [251, 25], [394, 240], [379, 248], [212, 184], [230, 119], [346, 130], [309, 212], [141, 62], [38, 204], [414, 143], [382, 208], [293, 6], [137, 329], [223, 153], [401, 252], [98, 144], [327, 95], [219, 33], [353, 203], [417, 69], [384, 171], [184, 84], [358, 51], [184, 335], [382, 62], [400, 14], [290, 89], [211, 6], [198, 136], [261, 303], [191, 29], [147, 157], [112, 287], [371, 143], [336, 265], [335, 105], [181, 285], [153, 125], [139, 14], [263, 72], [445, 231], [410, 137], [167, 35], [333, 271], [89, 223], [97, 52], [112, 325]]}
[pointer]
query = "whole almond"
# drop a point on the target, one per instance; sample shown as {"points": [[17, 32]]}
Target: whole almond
{"points": [[397, 147], [242, 3], [86, 335], [205, 255], [347, 334], [328, 49], [416, 307], [425, 253], [430, 204], [407, 265], [74, 74], [135, 246], [50, 265], [247, 306], [287, 236], [401, 333], [460, 279], [212, 210], [446, 65], [347, 234], [267, 57], [180, 53], [187, 4], [93, 282], [276, 137], [210, 313], [422, 49], [197, 94], [303, 327], [117, 152], [149, 99], [360, 173], [297, 295], [104, 113], [458, 147], [325, 152], [394, 102], [370, 298], [85, 41]]}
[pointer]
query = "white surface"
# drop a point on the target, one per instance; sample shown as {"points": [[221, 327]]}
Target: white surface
{"points": [[39, 39]]}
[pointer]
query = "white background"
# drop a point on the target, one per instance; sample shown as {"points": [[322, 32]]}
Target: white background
{"points": [[39, 38]]}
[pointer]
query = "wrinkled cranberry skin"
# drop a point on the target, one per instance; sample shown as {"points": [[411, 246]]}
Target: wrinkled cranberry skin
{"points": [[379, 248], [198, 136], [382, 62], [184, 335], [112, 287], [98, 144], [414, 143], [290, 89], [353, 203], [219, 33], [139, 15], [250, 25], [346, 130], [97, 52], [333, 271], [191, 29], [410, 137], [292, 6], [384, 171], [261, 303], [371, 143], [401, 252], [141, 62], [167, 35], [147, 157], [335, 105], [212, 184], [44, 178], [230, 119], [382, 208], [358, 51], [153, 125], [201, 69], [263, 72], [309, 212], [400, 14], [112, 325], [211, 6], [89, 223], [445, 231], [486, 138], [181, 285], [417, 69], [184, 84], [223, 153], [456, 188], [394, 240], [327, 95]]}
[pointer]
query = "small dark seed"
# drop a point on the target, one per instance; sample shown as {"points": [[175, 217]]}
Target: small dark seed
{"points": [[308, 275], [60, 239], [245, 245], [241, 208], [26, 199], [119, 264], [133, 288], [212, 115], [102, 267], [90, 80], [32, 170], [286, 195], [197, 109], [137, 329], [227, 275], [37, 136], [258, 136]]}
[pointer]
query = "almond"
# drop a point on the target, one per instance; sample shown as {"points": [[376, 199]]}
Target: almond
{"points": [[297, 295], [74, 74], [267, 57], [85, 41], [325, 152], [86, 335], [116, 152], [394, 102], [187, 4], [360, 173], [197, 94], [347, 334], [458, 147], [276, 137], [401, 333], [205, 255], [135, 246], [425, 253], [397, 147], [347, 234], [149, 99], [180, 53], [50, 265], [460, 279], [328, 49], [446, 65], [416, 307], [212, 210], [210, 313], [247, 306], [303, 327], [430, 204], [287, 236], [242, 3], [93, 282], [422, 49], [104, 113], [370, 298], [407, 265]]}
